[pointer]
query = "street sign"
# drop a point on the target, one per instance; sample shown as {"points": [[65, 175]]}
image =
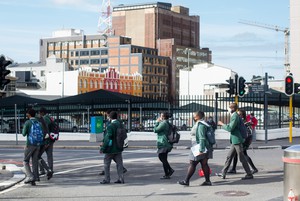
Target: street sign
{"points": [[256, 89]]}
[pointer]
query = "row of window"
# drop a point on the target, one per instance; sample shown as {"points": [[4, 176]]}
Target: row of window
{"points": [[109, 85], [144, 51], [89, 53], [154, 70], [89, 61], [76, 43]]}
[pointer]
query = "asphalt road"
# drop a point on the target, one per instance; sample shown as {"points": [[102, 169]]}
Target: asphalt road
{"points": [[76, 178]]}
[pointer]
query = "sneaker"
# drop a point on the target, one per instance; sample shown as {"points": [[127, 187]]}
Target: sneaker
{"points": [[171, 172], [184, 183], [49, 175], [254, 171], [165, 177], [206, 183], [221, 175], [104, 182], [28, 180], [119, 182], [248, 176], [232, 171], [124, 170], [102, 173]]}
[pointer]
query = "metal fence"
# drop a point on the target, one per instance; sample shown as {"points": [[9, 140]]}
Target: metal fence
{"points": [[75, 116]]}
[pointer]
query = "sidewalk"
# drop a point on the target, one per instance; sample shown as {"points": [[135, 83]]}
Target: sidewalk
{"points": [[12, 173]]}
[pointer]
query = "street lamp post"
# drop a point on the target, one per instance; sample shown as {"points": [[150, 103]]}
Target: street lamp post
{"points": [[188, 60], [160, 82]]}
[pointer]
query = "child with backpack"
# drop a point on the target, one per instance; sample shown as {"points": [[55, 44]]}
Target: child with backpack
{"points": [[200, 152], [246, 145], [33, 131]]}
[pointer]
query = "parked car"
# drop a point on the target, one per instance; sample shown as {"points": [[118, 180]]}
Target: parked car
{"points": [[4, 126], [12, 125], [66, 125]]}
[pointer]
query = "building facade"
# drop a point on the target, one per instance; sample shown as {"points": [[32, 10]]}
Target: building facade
{"points": [[170, 29], [110, 80], [156, 21], [295, 39], [116, 52]]}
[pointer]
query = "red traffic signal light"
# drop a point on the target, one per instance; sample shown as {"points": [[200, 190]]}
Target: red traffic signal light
{"points": [[289, 85]]}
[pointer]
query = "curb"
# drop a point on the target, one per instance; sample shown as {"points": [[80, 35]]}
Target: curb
{"points": [[18, 176]]}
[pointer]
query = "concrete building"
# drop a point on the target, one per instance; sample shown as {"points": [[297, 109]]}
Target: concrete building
{"points": [[96, 53], [156, 21], [168, 28], [295, 39], [204, 79]]}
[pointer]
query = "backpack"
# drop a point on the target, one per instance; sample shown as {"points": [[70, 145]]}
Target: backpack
{"points": [[36, 136], [242, 128], [53, 130], [121, 136], [210, 133], [173, 135]]}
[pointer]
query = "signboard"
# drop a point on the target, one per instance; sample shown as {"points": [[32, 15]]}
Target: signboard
{"points": [[256, 89]]}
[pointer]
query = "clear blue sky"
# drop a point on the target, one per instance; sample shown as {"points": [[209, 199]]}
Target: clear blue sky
{"points": [[246, 49]]}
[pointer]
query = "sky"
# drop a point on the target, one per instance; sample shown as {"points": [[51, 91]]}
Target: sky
{"points": [[247, 50]]}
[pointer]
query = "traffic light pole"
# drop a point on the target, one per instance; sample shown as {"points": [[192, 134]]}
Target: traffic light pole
{"points": [[236, 99], [291, 120]]}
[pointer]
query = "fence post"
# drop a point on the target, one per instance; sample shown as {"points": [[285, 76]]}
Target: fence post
{"points": [[216, 107], [280, 113]]}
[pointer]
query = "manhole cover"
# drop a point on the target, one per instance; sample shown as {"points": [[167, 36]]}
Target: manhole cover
{"points": [[232, 193]]}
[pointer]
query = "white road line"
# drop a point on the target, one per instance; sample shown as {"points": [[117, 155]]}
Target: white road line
{"points": [[92, 166]]}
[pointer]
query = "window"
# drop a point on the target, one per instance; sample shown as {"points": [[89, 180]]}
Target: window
{"points": [[80, 83], [104, 61], [85, 84], [77, 54], [96, 84], [106, 84], [72, 54], [95, 61], [76, 62], [121, 84], [84, 62], [116, 85], [104, 52], [91, 84], [101, 84], [111, 85], [42, 73], [95, 52], [84, 53]]}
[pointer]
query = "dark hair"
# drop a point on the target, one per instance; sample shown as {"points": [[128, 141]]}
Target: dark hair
{"points": [[113, 115], [200, 114], [43, 110], [252, 113], [31, 112], [165, 115], [235, 105], [242, 113], [108, 111]]}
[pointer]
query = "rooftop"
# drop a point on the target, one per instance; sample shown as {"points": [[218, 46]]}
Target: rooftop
{"points": [[162, 5]]}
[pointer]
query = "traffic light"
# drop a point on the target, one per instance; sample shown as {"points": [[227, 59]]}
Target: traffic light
{"points": [[241, 87], [289, 85], [297, 88], [4, 72], [230, 86]]}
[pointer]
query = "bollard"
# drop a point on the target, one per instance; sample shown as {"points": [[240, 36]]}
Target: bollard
{"points": [[291, 183]]}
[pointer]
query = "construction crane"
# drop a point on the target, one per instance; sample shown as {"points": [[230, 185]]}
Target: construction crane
{"points": [[286, 32]]}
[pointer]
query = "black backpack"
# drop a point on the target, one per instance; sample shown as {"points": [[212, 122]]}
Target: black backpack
{"points": [[173, 135], [242, 128], [121, 135]]}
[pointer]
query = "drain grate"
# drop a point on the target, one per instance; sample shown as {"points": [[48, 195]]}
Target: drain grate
{"points": [[232, 193]]}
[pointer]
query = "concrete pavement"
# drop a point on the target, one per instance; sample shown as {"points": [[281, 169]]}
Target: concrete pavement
{"points": [[12, 173]]}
